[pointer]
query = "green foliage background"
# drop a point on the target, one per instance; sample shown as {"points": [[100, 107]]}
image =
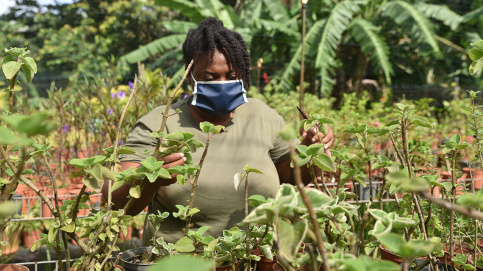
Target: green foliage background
{"points": [[394, 43]]}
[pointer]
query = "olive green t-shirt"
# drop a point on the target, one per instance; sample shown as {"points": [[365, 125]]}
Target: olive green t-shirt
{"points": [[250, 138]]}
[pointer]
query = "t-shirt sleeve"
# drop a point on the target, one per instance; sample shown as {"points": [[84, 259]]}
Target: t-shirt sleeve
{"points": [[281, 148], [141, 140]]}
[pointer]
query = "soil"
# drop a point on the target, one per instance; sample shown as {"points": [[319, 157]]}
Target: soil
{"points": [[141, 259]]}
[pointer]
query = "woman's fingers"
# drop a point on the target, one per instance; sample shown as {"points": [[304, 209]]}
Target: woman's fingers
{"points": [[311, 136], [175, 159]]}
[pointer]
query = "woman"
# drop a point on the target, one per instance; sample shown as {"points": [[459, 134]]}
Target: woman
{"points": [[219, 77]]}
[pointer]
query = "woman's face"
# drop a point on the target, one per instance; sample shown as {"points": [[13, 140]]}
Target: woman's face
{"points": [[218, 70]]}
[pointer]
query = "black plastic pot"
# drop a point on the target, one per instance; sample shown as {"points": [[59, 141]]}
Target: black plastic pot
{"points": [[365, 192], [127, 259]]}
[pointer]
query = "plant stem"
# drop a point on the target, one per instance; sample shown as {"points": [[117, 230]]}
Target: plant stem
{"points": [[77, 201], [398, 153], [110, 251], [10, 100], [466, 211], [247, 240], [118, 134], [59, 254], [313, 217], [382, 189], [370, 175], [453, 192], [7, 192], [57, 209], [361, 232], [168, 105], [195, 184], [417, 204]]}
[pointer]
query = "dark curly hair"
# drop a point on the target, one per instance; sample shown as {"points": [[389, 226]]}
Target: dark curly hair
{"points": [[211, 35]]}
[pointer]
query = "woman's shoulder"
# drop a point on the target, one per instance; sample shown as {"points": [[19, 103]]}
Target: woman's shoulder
{"points": [[255, 106]]}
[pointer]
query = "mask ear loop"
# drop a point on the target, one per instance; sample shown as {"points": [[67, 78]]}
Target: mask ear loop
{"points": [[195, 90]]}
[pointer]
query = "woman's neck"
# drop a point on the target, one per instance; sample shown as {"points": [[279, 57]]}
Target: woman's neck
{"points": [[200, 116]]}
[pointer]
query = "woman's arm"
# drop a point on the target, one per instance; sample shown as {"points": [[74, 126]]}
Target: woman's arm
{"points": [[285, 172], [120, 196]]}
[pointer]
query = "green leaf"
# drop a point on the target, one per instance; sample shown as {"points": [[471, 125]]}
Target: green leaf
{"points": [[135, 191], [29, 74], [154, 48], [325, 162], [152, 177], [401, 178], [331, 36], [392, 123], [422, 28], [456, 139], [151, 164], [182, 263], [192, 211], [126, 150], [30, 62], [69, 228], [163, 173], [93, 184], [361, 140], [291, 237], [401, 106], [15, 51], [364, 263], [420, 121], [317, 198], [380, 228], [9, 208], [254, 170], [33, 124], [52, 234], [11, 68], [361, 180], [185, 245], [181, 179], [373, 45], [394, 242], [7, 137], [314, 149], [267, 252], [207, 127]]}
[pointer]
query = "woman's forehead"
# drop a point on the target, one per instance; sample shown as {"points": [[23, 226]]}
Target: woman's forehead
{"points": [[219, 61]]}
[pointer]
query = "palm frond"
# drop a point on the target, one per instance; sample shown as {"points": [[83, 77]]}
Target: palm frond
{"points": [[179, 26], [441, 13], [251, 12], [216, 9], [285, 82], [279, 13], [338, 21], [156, 47], [422, 30], [185, 7], [473, 15], [271, 25], [372, 45]]}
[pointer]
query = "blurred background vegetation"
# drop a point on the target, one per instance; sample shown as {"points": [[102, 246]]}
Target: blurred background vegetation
{"points": [[392, 49]]}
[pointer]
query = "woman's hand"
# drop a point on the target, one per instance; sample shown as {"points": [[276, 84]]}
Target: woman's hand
{"points": [[175, 159], [311, 136]]}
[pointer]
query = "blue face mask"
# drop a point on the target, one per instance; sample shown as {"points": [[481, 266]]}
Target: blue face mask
{"points": [[218, 97]]}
